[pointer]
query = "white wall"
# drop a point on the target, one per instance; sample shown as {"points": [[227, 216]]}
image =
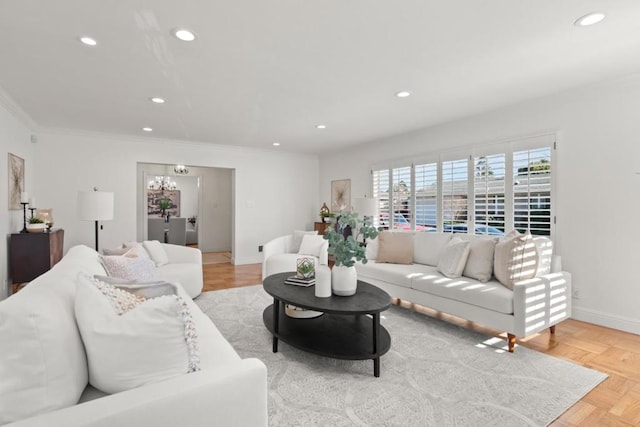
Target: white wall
{"points": [[188, 186], [15, 138], [271, 187], [598, 188]]}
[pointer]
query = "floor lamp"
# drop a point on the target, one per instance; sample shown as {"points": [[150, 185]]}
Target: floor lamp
{"points": [[366, 207], [95, 206]]}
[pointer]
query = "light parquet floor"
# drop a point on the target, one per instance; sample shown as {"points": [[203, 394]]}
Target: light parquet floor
{"points": [[615, 402]]}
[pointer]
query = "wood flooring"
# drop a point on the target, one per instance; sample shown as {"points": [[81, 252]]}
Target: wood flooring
{"points": [[615, 402]]}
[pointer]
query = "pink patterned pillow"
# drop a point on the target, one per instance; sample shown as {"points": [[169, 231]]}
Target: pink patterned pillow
{"points": [[131, 266]]}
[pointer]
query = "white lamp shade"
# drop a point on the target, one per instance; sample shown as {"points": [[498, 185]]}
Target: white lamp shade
{"points": [[95, 205], [365, 206]]}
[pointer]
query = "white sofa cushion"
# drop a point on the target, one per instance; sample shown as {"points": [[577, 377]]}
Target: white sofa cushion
{"points": [[454, 257], [43, 365], [480, 261], [515, 258], [149, 327], [311, 245], [187, 275], [156, 252], [398, 274], [490, 295], [427, 247]]}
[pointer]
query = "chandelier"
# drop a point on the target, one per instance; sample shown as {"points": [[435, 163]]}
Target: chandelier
{"points": [[162, 183], [181, 169]]}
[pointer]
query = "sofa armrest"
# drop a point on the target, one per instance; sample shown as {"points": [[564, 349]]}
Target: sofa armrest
{"points": [[541, 302], [229, 395], [182, 254], [279, 245]]}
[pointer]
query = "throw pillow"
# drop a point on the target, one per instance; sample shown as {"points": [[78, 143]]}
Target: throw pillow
{"points": [[311, 245], [154, 338], [372, 249], [156, 252], [297, 239], [428, 247], [515, 258], [129, 266], [115, 251], [454, 257], [544, 246], [479, 264], [395, 247]]}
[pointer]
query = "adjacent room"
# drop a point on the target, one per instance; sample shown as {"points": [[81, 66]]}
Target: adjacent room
{"points": [[319, 214]]}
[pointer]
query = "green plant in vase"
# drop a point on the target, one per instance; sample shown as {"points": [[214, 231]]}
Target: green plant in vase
{"points": [[164, 204], [35, 220], [347, 250]]}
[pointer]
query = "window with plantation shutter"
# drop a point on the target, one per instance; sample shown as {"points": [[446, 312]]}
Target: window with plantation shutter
{"points": [[489, 194], [402, 218], [426, 184], [454, 195], [381, 194], [532, 190]]}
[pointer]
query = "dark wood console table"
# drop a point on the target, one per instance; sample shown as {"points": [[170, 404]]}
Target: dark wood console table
{"points": [[32, 254]]}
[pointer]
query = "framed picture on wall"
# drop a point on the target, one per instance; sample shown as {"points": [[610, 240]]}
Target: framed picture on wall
{"points": [[153, 202], [16, 181], [341, 195]]}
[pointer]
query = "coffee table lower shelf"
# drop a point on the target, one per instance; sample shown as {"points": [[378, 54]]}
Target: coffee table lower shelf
{"points": [[337, 336]]}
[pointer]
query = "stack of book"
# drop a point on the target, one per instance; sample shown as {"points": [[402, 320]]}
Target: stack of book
{"points": [[295, 280]]}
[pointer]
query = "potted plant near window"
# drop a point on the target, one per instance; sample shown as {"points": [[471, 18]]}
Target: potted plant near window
{"points": [[345, 246]]}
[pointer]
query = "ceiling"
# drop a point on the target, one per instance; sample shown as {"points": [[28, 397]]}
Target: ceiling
{"points": [[265, 71]]}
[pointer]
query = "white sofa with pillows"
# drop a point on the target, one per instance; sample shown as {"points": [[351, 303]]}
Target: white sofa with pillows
{"points": [[506, 284], [82, 349], [281, 254]]}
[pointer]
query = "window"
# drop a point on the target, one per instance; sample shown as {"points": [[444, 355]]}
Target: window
{"points": [[480, 190], [381, 194], [426, 184], [454, 194], [402, 213], [488, 189], [532, 190]]}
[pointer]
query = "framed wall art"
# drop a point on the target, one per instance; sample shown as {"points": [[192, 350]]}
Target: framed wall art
{"points": [[16, 181], [153, 202], [341, 195]]}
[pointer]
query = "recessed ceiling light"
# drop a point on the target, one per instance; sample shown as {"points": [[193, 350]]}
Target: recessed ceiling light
{"points": [[403, 94], [589, 19], [184, 35], [89, 41], [276, 144], [321, 126], [157, 100], [147, 129]]}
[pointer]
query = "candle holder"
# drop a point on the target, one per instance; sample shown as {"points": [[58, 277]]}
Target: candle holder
{"points": [[32, 209], [24, 210]]}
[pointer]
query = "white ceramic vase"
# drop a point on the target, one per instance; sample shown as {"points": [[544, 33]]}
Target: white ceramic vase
{"points": [[344, 280], [323, 281]]}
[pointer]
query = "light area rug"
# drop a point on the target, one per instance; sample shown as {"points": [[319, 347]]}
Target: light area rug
{"points": [[435, 374]]}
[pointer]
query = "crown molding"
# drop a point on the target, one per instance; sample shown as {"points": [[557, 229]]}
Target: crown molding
{"points": [[10, 105]]}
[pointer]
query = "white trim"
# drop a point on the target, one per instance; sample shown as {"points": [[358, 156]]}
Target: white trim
{"points": [[14, 108], [621, 323]]}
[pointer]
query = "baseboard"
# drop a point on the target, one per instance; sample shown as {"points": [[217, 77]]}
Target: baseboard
{"points": [[608, 320], [246, 260]]}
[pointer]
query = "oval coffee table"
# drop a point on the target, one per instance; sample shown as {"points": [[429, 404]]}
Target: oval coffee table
{"points": [[344, 331]]}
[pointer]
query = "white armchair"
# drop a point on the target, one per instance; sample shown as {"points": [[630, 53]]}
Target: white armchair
{"points": [[279, 255]]}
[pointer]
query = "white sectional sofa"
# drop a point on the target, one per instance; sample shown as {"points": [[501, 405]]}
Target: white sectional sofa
{"points": [[44, 370], [531, 306]]}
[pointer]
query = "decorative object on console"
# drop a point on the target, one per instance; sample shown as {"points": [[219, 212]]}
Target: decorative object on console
{"points": [[341, 195], [24, 201], [16, 181], [181, 169], [305, 268], [46, 215], [347, 250], [95, 206], [36, 225], [325, 213]]}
